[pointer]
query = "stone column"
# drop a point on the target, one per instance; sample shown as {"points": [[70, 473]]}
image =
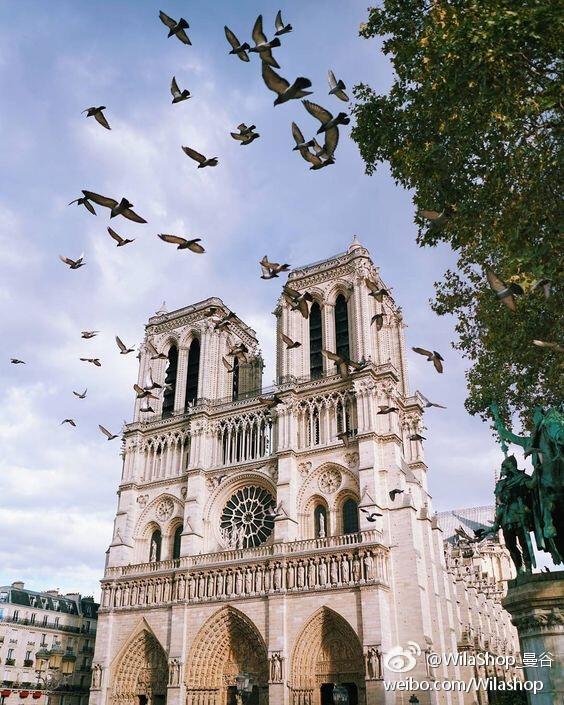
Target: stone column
{"points": [[536, 603]]}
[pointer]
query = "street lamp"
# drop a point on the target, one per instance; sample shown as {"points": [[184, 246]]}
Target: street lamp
{"points": [[60, 663], [340, 695], [244, 683]]}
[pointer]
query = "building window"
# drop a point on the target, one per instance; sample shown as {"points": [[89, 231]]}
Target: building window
{"points": [[44, 638], [176, 542], [16, 615], [56, 621], [44, 620], [342, 347], [315, 341], [320, 518], [350, 517], [235, 373], [32, 618], [155, 549], [193, 372], [170, 381]]}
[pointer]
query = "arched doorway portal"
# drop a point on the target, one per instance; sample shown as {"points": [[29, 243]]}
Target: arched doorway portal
{"points": [[141, 673], [227, 644], [327, 652]]}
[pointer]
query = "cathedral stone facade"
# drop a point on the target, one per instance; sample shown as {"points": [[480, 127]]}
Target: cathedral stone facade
{"points": [[256, 531]]}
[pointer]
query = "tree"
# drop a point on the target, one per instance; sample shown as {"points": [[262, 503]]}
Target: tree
{"points": [[473, 124]]}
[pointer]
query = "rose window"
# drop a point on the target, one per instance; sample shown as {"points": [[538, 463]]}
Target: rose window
{"points": [[246, 520]]}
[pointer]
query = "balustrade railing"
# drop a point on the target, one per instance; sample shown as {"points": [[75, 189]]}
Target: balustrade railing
{"points": [[302, 546]]}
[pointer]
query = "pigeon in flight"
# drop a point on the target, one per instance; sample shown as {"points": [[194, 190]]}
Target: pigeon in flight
{"points": [[146, 408], [545, 284], [177, 95], [84, 202], [73, 263], [271, 269], [245, 134], [271, 402], [86, 334], [281, 28], [393, 493], [549, 345], [239, 350], [98, 115], [417, 437], [122, 208], [197, 157], [238, 49], [143, 393], [281, 86], [263, 46], [337, 88], [438, 220], [385, 409], [80, 395], [370, 516], [376, 291], [504, 292], [182, 243], [320, 159], [432, 356], [326, 119], [429, 404], [153, 352], [109, 436], [378, 318], [299, 139], [15, 361], [343, 363], [71, 422], [290, 344], [120, 240], [149, 382], [123, 349], [228, 366], [297, 301], [225, 320], [344, 436], [94, 360], [176, 28]]}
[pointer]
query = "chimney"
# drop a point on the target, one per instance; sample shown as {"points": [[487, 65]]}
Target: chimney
{"points": [[53, 593], [19, 585]]}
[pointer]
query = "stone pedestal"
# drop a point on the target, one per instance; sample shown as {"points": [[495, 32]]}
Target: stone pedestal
{"points": [[536, 605]]}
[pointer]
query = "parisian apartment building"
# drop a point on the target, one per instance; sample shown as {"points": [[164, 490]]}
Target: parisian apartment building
{"points": [[62, 629]]}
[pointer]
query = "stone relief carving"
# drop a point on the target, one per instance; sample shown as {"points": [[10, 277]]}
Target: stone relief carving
{"points": [[304, 468], [142, 499], [330, 481], [351, 459]]}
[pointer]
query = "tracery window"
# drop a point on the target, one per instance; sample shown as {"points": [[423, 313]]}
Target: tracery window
{"points": [[350, 517], [315, 341], [176, 542], [192, 372], [246, 520], [170, 381]]}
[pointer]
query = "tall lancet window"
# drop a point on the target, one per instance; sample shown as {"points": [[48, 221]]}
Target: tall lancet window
{"points": [[315, 341], [342, 327], [235, 373], [170, 381], [193, 372], [176, 542]]}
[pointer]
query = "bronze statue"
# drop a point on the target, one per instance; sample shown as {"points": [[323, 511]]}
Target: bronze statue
{"points": [[541, 493]]}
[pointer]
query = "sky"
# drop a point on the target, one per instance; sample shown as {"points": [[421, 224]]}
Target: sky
{"points": [[57, 483]]}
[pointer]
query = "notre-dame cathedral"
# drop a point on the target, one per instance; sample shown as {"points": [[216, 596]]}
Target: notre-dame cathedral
{"points": [[257, 531]]}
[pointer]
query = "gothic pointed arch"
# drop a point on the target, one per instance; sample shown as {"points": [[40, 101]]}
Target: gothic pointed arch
{"points": [[140, 670], [227, 644], [327, 650], [193, 372]]}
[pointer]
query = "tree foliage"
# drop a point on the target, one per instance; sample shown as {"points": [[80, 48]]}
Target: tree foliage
{"points": [[473, 122]]}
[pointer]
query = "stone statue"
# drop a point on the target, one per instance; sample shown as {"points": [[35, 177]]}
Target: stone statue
{"points": [[545, 445], [356, 568], [276, 668], [345, 569], [153, 554], [513, 514], [373, 664], [368, 567], [321, 525], [323, 572], [97, 676], [174, 672]]}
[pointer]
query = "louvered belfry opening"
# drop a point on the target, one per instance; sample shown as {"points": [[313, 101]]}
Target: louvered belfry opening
{"points": [[235, 373], [342, 346], [315, 341], [170, 381], [193, 372]]}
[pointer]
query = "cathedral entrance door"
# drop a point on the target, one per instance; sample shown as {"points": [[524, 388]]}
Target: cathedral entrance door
{"points": [[353, 693], [327, 693]]}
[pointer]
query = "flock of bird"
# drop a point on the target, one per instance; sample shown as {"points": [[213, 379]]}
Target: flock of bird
{"points": [[318, 156]]}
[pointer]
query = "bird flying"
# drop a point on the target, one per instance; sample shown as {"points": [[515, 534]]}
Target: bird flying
{"points": [[228, 366], [153, 352], [271, 269], [417, 437], [182, 243], [94, 360], [263, 46], [80, 395], [122, 208], [326, 119], [245, 134], [370, 516], [281, 28], [84, 202], [378, 318], [86, 334], [149, 382], [197, 157], [376, 291], [123, 349], [438, 220], [429, 404], [15, 361], [73, 263], [432, 356], [297, 301], [271, 402], [176, 28], [385, 409], [393, 493], [177, 95], [290, 344], [282, 87], [120, 240], [109, 436], [337, 88], [143, 393], [238, 49], [504, 292], [344, 436], [98, 115], [71, 422], [225, 320], [549, 345]]}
